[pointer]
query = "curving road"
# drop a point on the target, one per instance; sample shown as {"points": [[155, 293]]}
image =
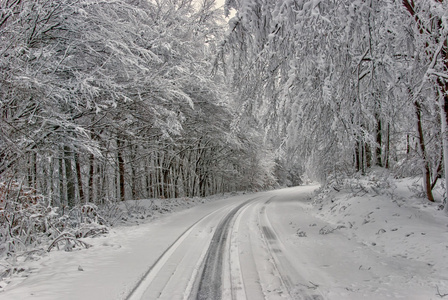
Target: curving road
{"points": [[240, 250], [262, 246]]}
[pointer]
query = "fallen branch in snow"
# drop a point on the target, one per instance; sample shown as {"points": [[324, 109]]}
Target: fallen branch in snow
{"points": [[313, 286], [93, 232], [68, 238], [439, 294], [325, 230]]}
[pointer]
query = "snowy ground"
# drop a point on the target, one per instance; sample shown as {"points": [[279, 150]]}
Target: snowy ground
{"points": [[400, 240], [370, 240]]}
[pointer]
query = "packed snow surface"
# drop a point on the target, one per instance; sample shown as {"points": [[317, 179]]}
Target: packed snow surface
{"points": [[357, 240]]}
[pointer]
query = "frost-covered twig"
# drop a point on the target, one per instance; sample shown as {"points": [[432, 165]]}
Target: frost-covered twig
{"points": [[313, 286], [92, 232]]}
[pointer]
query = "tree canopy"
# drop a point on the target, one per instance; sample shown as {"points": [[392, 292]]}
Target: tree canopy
{"points": [[114, 100], [345, 85]]}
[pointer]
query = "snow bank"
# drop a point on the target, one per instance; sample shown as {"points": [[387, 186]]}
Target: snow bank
{"points": [[391, 218]]}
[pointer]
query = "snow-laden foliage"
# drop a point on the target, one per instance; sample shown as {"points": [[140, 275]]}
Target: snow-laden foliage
{"points": [[111, 100], [28, 222], [341, 86]]}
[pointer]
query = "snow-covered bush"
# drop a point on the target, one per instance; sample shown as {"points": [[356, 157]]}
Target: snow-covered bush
{"points": [[25, 218], [29, 221], [376, 182]]}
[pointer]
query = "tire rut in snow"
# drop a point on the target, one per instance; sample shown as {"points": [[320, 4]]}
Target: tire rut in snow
{"points": [[139, 289], [210, 284], [283, 266]]}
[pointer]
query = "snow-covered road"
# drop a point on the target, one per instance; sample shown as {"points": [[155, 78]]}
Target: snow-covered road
{"points": [[238, 251], [260, 246]]}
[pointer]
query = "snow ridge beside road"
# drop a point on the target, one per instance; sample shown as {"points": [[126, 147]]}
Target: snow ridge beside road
{"points": [[385, 216]]}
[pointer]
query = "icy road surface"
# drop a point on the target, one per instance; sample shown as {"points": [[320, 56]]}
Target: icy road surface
{"points": [[259, 246]]}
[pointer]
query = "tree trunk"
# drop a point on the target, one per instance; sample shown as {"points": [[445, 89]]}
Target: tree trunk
{"points": [[100, 183], [357, 156], [368, 157], [379, 145], [91, 172], [444, 116], [443, 103], [443, 85], [133, 165], [79, 179], [69, 177], [421, 141], [62, 198], [387, 154], [408, 145], [148, 171], [121, 170]]}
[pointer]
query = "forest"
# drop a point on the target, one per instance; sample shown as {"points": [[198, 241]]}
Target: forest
{"points": [[103, 101]]}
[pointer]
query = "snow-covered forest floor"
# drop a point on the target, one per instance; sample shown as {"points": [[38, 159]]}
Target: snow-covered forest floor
{"points": [[392, 219], [369, 237]]}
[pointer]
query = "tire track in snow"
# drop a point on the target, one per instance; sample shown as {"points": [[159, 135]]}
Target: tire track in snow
{"points": [[210, 284], [251, 254], [237, 288], [286, 272], [142, 285]]}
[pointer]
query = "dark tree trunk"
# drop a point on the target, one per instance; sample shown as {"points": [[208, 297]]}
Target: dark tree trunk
{"points": [[421, 141], [368, 157], [387, 154], [379, 145], [357, 157], [79, 178], [121, 170], [408, 145], [69, 177], [442, 84], [62, 198], [91, 172]]}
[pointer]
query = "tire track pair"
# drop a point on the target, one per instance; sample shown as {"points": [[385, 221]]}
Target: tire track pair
{"points": [[211, 266], [210, 285]]}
